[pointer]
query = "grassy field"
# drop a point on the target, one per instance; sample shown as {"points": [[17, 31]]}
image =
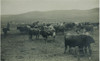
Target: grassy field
{"points": [[17, 47]]}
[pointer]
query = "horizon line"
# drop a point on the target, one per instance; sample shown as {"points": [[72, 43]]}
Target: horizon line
{"points": [[47, 11]]}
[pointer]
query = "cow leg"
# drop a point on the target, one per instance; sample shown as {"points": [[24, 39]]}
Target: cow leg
{"points": [[54, 38], [45, 40], [85, 49], [30, 36], [90, 50], [81, 51], [5, 33], [77, 53], [36, 36], [69, 50], [65, 49]]}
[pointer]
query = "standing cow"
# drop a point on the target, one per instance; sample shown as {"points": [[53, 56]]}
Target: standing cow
{"points": [[6, 29], [82, 41], [33, 31], [59, 28], [47, 31]]}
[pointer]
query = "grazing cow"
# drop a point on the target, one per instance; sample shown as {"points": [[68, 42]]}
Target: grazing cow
{"points": [[69, 26], [47, 31], [88, 28], [35, 32], [22, 29], [81, 27], [59, 28], [45, 34], [34, 24], [82, 41]]}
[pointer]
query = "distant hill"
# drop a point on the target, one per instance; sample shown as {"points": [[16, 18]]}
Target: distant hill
{"points": [[91, 15]]}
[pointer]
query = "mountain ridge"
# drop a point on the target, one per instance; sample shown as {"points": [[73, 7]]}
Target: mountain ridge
{"points": [[91, 15]]}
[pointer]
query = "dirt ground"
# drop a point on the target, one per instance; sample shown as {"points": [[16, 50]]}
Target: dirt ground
{"points": [[17, 47]]}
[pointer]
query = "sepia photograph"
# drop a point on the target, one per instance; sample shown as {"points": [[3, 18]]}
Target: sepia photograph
{"points": [[49, 30]]}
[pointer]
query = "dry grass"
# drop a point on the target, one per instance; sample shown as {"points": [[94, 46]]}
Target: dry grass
{"points": [[17, 47]]}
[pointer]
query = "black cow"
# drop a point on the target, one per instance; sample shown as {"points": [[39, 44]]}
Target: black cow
{"points": [[45, 34], [34, 31], [82, 41], [22, 29], [5, 30], [89, 28], [69, 26], [59, 28]]}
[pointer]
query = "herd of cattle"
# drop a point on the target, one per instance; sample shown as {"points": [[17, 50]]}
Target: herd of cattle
{"points": [[51, 29], [80, 38]]}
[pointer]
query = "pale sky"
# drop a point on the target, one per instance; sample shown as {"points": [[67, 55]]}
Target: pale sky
{"points": [[22, 6]]}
